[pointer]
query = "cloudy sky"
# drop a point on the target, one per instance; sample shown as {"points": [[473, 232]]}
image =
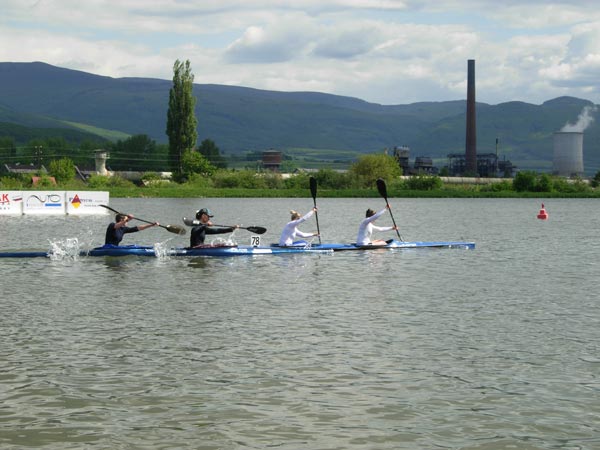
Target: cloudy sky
{"points": [[382, 51]]}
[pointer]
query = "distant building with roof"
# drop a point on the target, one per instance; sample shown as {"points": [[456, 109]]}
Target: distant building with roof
{"points": [[271, 160]]}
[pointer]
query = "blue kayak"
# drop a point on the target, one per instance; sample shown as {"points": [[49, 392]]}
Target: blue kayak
{"points": [[241, 250], [202, 250], [393, 244]]}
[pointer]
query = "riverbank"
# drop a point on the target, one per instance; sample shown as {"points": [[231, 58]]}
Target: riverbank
{"points": [[450, 192], [415, 188]]}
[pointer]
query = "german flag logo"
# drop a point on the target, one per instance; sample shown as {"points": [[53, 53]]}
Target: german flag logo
{"points": [[76, 202]]}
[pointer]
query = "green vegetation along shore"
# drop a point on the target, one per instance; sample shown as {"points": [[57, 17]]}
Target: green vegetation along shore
{"points": [[359, 181], [444, 192], [126, 189]]}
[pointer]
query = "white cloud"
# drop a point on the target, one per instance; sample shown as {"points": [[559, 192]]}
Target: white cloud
{"points": [[267, 45], [386, 51], [543, 15]]}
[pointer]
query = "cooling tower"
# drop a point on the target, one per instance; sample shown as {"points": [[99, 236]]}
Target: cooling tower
{"points": [[568, 153]]}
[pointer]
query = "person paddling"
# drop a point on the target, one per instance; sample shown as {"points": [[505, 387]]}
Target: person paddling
{"points": [[290, 232], [117, 229], [366, 227], [199, 232]]}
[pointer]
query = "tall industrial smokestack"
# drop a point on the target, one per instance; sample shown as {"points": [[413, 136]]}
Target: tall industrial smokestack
{"points": [[471, 141]]}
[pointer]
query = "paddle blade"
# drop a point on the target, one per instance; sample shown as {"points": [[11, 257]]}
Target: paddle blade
{"points": [[175, 229], [108, 207], [191, 222], [313, 187], [257, 230], [382, 188]]}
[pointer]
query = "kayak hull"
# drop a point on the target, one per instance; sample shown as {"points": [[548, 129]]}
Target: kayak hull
{"points": [[398, 245], [242, 250], [203, 250], [24, 254]]}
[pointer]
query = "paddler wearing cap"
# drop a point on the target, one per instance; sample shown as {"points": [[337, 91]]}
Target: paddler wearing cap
{"points": [[205, 227]]}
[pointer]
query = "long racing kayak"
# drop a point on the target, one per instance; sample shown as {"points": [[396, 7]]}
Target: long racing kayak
{"points": [[394, 244], [238, 250], [142, 250]]}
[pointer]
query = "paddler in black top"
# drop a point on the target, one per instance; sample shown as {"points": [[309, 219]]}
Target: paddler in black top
{"points": [[205, 227], [118, 228]]}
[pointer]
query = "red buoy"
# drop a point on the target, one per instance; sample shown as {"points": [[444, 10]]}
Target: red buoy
{"points": [[542, 215]]}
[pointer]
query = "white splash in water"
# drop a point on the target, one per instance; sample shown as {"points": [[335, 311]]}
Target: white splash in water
{"points": [[583, 121], [66, 249], [223, 242], [161, 250]]}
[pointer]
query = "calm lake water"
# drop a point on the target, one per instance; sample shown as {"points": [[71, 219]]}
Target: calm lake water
{"points": [[492, 348]]}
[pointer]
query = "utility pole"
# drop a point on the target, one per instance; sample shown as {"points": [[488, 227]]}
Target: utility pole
{"points": [[38, 155]]}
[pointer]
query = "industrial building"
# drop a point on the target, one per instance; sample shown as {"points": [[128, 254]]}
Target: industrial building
{"points": [[422, 165], [487, 165], [471, 163]]}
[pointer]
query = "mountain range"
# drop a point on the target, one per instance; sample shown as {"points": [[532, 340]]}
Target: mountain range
{"points": [[240, 119]]}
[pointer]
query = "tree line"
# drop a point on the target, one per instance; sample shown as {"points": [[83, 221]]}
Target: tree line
{"points": [[136, 153]]}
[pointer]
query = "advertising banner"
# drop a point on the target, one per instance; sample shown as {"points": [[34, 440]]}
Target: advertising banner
{"points": [[86, 202], [11, 202], [44, 202]]}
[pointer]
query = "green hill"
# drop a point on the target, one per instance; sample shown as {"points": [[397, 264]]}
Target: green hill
{"points": [[242, 119], [23, 134], [24, 127]]}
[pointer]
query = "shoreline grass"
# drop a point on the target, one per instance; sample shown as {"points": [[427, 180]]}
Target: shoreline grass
{"points": [[192, 192]]}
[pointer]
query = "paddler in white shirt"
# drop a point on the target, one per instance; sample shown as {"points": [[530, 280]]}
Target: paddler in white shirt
{"points": [[291, 233], [366, 227]]}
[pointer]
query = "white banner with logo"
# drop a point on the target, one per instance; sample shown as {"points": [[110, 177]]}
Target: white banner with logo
{"points": [[86, 202], [11, 202], [44, 202]]}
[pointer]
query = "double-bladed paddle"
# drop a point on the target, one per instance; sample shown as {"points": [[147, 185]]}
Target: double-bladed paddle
{"points": [[171, 228], [382, 188], [313, 192], [255, 230]]}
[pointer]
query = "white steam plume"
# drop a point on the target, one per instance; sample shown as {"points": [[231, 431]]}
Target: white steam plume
{"points": [[583, 121]]}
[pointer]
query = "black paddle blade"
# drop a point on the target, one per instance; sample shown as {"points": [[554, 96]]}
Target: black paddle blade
{"points": [[175, 229], [108, 207], [256, 230], [381, 187], [313, 187]]}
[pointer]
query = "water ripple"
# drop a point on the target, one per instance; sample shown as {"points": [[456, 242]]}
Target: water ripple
{"points": [[487, 349]]}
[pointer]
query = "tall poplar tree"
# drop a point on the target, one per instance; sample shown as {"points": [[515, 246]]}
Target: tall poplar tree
{"points": [[181, 118]]}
